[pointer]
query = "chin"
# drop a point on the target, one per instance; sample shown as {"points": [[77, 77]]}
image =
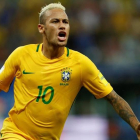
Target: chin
{"points": [[62, 44]]}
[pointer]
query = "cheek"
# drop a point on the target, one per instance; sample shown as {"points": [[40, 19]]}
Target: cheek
{"points": [[68, 28], [51, 33]]}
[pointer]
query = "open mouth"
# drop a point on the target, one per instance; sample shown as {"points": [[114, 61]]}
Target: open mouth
{"points": [[62, 36]]}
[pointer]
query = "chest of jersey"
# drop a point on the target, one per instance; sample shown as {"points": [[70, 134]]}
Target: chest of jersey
{"points": [[60, 74], [48, 88], [48, 79]]}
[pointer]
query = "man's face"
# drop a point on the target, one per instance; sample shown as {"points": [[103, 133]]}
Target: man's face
{"points": [[56, 27]]}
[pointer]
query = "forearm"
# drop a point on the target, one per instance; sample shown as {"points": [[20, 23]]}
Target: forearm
{"points": [[123, 109]]}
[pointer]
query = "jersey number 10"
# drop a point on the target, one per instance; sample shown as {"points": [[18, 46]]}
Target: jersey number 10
{"points": [[44, 94]]}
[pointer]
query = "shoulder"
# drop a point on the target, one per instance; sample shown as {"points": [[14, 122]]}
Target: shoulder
{"points": [[77, 56], [26, 49], [21, 51], [29, 47]]}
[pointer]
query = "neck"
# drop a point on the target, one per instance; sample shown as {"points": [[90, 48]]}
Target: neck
{"points": [[52, 52]]}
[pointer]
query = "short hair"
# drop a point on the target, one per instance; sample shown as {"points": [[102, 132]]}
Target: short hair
{"points": [[49, 7]]}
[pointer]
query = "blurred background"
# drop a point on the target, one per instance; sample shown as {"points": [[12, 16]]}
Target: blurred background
{"points": [[108, 32]]}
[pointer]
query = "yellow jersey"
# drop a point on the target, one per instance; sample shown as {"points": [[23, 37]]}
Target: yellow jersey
{"points": [[45, 89]]}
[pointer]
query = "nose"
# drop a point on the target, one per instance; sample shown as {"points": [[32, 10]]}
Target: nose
{"points": [[62, 26]]}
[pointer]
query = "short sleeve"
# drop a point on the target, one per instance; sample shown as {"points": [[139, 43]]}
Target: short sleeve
{"points": [[8, 70], [93, 80]]}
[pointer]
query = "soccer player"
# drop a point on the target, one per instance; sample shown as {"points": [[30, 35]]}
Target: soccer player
{"points": [[48, 76]]}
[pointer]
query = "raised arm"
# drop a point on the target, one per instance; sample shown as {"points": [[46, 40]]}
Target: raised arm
{"points": [[124, 111]]}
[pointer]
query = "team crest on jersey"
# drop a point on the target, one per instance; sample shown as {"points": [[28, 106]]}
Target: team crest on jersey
{"points": [[65, 76]]}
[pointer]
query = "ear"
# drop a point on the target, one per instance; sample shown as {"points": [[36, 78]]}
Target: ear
{"points": [[41, 28]]}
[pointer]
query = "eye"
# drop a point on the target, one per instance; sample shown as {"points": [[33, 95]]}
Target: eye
{"points": [[65, 21], [55, 21]]}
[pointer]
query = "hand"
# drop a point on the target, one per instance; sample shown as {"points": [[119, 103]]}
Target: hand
{"points": [[138, 131]]}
